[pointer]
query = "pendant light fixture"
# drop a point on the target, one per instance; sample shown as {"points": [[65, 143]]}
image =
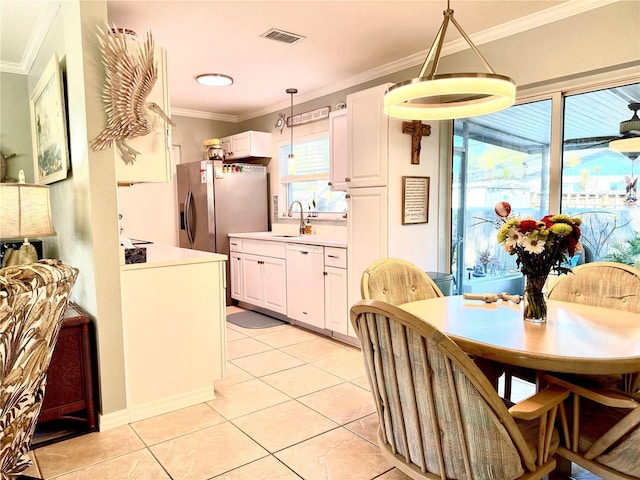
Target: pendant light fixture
{"points": [[447, 96], [292, 92]]}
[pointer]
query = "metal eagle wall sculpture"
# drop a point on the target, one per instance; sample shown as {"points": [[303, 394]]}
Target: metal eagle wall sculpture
{"points": [[130, 77]]}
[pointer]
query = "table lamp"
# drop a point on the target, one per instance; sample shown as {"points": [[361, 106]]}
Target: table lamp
{"points": [[25, 211]]}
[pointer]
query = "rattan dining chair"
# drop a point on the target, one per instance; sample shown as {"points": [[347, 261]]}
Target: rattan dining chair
{"points": [[605, 433], [602, 284], [33, 299], [439, 417], [397, 281]]}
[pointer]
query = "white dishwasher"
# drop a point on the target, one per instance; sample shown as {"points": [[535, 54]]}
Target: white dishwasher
{"points": [[305, 284]]}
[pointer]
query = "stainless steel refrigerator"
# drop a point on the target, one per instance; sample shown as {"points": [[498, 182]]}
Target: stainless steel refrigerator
{"points": [[215, 199]]}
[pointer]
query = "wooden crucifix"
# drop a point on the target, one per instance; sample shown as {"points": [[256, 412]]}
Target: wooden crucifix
{"points": [[417, 130]]}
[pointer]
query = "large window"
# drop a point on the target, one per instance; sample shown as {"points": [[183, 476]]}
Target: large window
{"points": [[508, 156], [305, 177]]}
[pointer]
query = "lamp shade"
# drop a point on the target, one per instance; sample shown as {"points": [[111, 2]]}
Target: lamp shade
{"points": [[25, 211], [626, 145]]}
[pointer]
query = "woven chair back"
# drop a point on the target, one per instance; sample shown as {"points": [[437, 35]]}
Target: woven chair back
{"points": [[601, 284], [397, 281], [439, 416]]}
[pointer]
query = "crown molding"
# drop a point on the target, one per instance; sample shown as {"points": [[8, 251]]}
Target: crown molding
{"points": [[183, 112], [550, 15], [40, 29]]}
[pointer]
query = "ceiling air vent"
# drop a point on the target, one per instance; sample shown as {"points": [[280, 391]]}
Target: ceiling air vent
{"points": [[282, 36]]}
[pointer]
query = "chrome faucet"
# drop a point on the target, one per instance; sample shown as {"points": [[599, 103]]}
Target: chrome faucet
{"points": [[290, 214]]}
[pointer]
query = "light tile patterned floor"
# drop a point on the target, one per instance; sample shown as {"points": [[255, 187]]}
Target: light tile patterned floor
{"points": [[293, 405]]}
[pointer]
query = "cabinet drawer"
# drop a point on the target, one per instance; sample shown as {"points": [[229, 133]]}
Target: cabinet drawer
{"points": [[335, 257], [264, 248], [235, 244]]}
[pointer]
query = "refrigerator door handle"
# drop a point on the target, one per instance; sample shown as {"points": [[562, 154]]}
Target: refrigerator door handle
{"points": [[187, 216]]}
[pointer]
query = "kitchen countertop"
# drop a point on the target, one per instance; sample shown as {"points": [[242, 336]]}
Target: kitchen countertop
{"points": [[304, 239], [164, 255]]}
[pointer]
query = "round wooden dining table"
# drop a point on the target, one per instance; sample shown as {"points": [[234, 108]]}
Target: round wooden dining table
{"points": [[576, 338]]}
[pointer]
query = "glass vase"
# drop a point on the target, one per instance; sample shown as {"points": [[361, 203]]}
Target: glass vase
{"points": [[535, 303]]}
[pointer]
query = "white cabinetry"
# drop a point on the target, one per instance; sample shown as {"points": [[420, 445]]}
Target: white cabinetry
{"points": [[153, 163], [367, 226], [264, 276], [338, 140], [336, 310], [305, 284], [379, 156], [368, 139], [235, 266], [247, 144], [177, 298]]}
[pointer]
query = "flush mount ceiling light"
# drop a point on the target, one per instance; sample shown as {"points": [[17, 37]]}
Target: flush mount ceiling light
{"points": [[214, 79], [292, 92], [448, 96], [630, 132]]}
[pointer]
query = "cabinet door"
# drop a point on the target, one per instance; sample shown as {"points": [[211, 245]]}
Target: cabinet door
{"points": [[275, 284], [235, 266], [153, 163], [336, 312], [252, 280], [241, 145], [227, 146], [366, 234], [338, 160], [368, 138]]}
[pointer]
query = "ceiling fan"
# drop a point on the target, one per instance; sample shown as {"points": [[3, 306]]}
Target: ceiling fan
{"points": [[629, 129], [627, 143]]}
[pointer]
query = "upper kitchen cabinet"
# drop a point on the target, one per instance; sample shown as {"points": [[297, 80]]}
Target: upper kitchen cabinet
{"points": [[153, 163], [247, 144], [338, 140], [368, 139]]}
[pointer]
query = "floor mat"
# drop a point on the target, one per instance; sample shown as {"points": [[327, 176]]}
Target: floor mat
{"points": [[251, 319]]}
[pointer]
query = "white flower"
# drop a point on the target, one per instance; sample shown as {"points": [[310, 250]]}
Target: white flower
{"points": [[532, 245], [513, 238]]}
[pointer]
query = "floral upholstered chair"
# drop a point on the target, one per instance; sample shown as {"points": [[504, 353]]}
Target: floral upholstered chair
{"points": [[33, 299], [438, 415], [397, 281]]}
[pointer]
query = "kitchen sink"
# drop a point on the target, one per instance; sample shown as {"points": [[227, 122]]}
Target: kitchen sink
{"points": [[285, 236]]}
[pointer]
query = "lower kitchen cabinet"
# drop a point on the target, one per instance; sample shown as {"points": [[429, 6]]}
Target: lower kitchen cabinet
{"points": [[264, 282], [235, 264], [307, 283], [335, 290], [335, 300], [173, 329]]}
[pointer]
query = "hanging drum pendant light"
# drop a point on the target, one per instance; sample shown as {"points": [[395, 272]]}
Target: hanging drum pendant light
{"points": [[449, 96], [292, 92]]}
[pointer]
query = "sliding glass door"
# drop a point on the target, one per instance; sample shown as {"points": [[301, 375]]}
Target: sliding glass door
{"points": [[599, 184], [506, 157], [502, 157]]}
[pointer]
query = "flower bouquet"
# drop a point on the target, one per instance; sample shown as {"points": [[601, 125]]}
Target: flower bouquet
{"points": [[540, 246]]}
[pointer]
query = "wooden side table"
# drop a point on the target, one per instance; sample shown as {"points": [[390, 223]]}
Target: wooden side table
{"points": [[68, 408]]}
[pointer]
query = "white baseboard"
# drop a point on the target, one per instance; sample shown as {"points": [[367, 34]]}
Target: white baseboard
{"points": [[157, 407], [113, 420]]}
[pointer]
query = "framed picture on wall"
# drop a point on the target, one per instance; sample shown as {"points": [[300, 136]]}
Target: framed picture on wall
{"points": [[415, 200], [49, 126]]}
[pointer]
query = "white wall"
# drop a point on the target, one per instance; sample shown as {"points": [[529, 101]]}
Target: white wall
{"points": [[149, 211]]}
